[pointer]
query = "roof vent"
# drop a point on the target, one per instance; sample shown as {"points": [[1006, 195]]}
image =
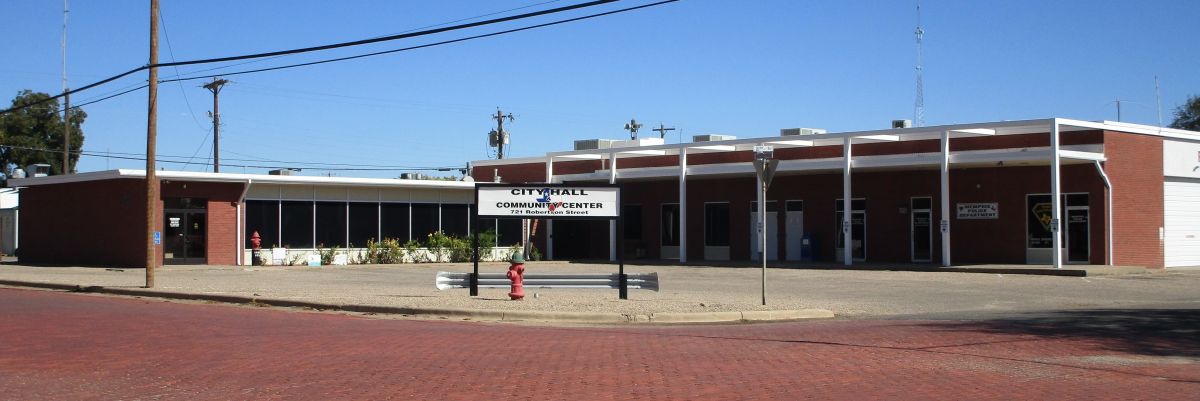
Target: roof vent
{"points": [[38, 170], [896, 124], [590, 144], [801, 131], [712, 138]]}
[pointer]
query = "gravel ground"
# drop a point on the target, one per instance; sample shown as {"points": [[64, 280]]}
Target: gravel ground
{"points": [[684, 289]]}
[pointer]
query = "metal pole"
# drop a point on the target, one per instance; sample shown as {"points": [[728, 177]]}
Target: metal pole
{"points": [[151, 132], [623, 281], [762, 234], [683, 248], [475, 247], [847, 237], [945, 223], [1055, 196]]}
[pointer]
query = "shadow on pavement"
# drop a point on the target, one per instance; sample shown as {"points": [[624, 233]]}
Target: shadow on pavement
{"points": [[1155, 332]]}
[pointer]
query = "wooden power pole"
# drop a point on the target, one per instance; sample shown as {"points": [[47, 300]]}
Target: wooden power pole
{"points": [[215, 88], [66, 162], [152, 236], [501, 135]]}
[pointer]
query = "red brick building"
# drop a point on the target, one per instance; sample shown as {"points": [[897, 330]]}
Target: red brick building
{"points": [[98, 218], [961, 194], [964, 194]]}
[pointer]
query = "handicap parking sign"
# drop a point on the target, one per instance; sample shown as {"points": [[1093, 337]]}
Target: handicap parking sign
{"points": [[157, 237]]}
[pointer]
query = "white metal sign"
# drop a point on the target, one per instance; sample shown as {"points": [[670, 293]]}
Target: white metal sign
{"points": [[978, 211], [548, 201]]}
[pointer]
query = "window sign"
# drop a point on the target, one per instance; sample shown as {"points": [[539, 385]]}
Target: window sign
{"points": [[978, 211], [174, 221]]}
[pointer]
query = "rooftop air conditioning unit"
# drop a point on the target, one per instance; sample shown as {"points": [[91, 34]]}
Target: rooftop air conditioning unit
{"points": [[37, 170], [801, 131], [591, 144], [712, 138], [901, 124], [282, 171]]}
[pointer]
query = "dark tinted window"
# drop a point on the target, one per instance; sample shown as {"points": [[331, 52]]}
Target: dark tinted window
{"points": [[716, 224], [855, 204], [297, 224], [364, 220], [454, 220], [772, 206], [1037, 223], [424, 220], [922, 203], [263, 217], [331, 224], [393, 221], [669, 226], [794, 206], [508, 231]]}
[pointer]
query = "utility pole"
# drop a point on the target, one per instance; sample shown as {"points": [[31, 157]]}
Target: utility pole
{"points": [[662, 130], [215, 88], [66, 162], [152, 236], [920, 102], [499, 136], [632, 126]]}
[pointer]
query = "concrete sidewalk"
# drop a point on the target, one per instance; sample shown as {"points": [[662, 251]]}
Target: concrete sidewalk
{"points": [[689, 293]]}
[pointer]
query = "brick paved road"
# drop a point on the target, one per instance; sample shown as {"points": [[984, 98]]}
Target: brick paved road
{"points": [[74, 346]]}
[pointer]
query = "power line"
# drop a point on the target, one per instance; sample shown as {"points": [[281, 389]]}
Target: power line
{"points": [[304, 164], [171, 53], [334, 59], [170, 159], [324, 47], [424, 45]]}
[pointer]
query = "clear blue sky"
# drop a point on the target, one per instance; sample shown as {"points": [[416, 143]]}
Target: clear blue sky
{"points": [[745, 68]]}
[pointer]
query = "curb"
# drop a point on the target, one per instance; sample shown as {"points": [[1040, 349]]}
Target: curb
{"points": [[472, 314]]}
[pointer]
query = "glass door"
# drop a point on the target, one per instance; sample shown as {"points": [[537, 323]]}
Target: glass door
{"points": [[185, 226], [922, 229], [1078, 249]]}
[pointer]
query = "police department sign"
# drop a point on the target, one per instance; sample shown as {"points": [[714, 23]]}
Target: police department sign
{"points": [[978, 211], [548, 201]]}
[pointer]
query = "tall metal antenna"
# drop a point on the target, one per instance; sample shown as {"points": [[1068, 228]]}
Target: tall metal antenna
{"points": [[920, 103], [66, 162], [1158, 98]]}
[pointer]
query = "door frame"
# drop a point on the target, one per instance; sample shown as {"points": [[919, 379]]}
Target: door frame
{"points": [[1067, 234], [788, 236], [838, 224], [187, 259], [912, 229]]}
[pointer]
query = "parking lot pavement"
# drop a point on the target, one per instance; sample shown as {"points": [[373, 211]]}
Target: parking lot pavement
{"points": [[849, 293]]}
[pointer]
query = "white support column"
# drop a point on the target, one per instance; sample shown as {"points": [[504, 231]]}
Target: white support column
{"points": [[683, 205], [1108, 205], [945, 221], [1055, 196], [847, 242], [612, 224], [549, 223]]}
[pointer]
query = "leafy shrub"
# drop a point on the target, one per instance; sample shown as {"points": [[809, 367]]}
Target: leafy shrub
{"points": [[326, 254], [387, 251]]}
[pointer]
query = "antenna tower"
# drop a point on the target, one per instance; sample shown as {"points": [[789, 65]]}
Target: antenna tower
{"points": [[920, 103]]}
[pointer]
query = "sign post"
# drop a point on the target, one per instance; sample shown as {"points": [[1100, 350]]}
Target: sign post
{"points": [[764, 166], [549, 201]]}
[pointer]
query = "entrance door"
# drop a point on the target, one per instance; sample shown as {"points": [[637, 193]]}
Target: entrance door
{"points": [[772, 230], [184, 241], [921, 230], [794, 228], [184, 227], [1078, 247], [858, 230]]}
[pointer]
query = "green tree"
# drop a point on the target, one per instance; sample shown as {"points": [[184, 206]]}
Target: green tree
{"points": [[35, 134], [1187, 115]]}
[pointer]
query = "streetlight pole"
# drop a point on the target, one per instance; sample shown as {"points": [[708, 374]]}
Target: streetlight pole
{"points": [[764, 166]]}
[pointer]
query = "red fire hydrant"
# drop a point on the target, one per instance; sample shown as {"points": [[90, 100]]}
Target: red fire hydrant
{"points": [[516, 274], [256, 245]]}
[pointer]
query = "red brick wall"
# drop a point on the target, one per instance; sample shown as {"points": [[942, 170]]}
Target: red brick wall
{"points": [[101, 223], [222, 215], [89, 223], [1135, 166]]}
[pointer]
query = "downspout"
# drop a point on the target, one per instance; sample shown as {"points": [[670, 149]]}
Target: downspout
{"points": [[1108, 208], [241, 243]]}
